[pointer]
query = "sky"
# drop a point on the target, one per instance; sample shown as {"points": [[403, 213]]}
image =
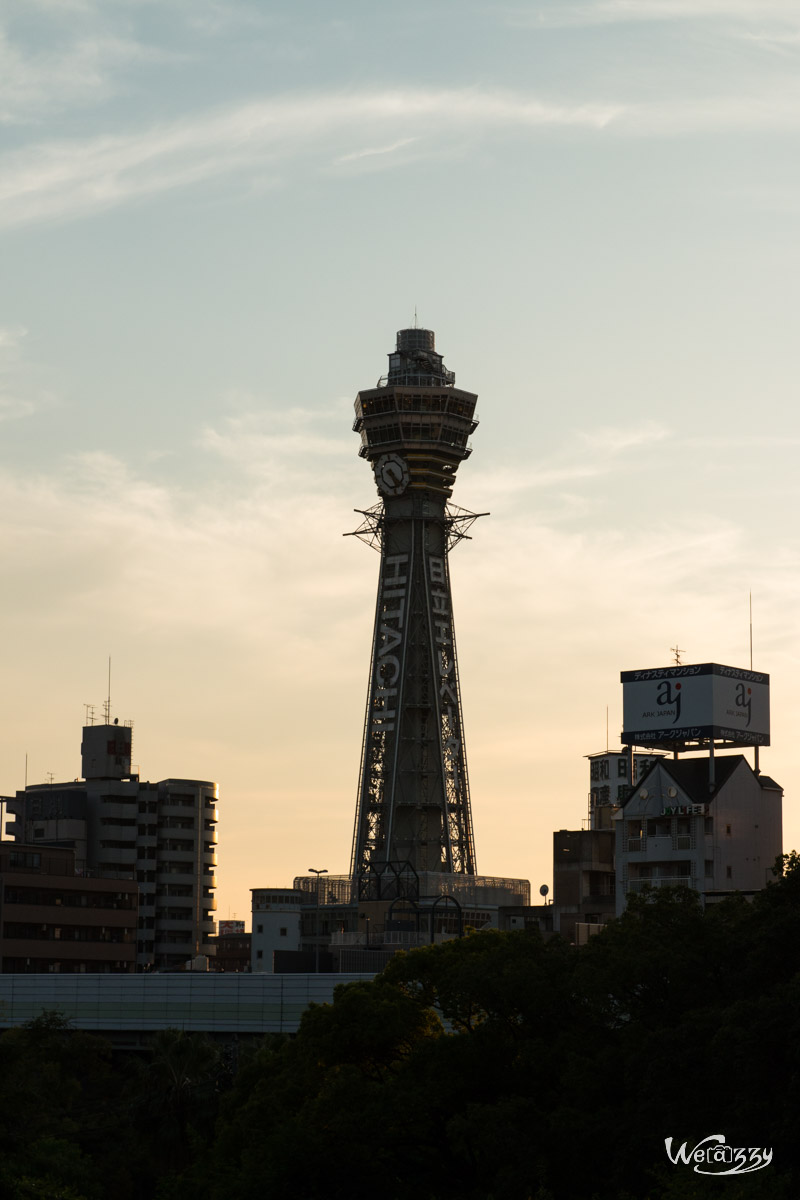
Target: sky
{"points": [[214, 217]]}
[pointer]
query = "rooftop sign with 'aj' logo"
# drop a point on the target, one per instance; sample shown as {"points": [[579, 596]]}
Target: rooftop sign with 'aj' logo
{"points": [[667, 706]]}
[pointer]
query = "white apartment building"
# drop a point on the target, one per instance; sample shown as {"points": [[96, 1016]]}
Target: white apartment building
{"points": [[715, 830], [275, 925]]}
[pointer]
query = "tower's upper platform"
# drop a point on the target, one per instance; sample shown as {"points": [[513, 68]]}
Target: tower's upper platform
{"points": [[415, 361], [415, 425]]}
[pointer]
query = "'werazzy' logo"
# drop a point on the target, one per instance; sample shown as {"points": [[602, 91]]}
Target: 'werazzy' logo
{"points": [[669, 693], [738, 1160]]}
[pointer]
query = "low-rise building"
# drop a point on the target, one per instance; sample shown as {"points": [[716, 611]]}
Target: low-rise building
{"points": [[233, 948], [584, 874], [275, 925]]}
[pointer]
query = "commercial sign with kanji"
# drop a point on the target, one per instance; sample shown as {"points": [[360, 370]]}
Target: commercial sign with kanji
{"points": [[666, 706]]}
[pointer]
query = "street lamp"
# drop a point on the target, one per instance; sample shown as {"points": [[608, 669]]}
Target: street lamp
{"points": [[314, 871]]}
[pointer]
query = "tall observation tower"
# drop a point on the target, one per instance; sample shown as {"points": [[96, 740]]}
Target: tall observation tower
{"points": [[413, 813]]}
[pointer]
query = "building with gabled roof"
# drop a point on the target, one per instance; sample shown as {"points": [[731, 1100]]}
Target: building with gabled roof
{"points": [[684, 826]]}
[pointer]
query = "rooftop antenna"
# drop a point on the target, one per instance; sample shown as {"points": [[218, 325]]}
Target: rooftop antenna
{"points": [[606, 729], [677, 652], [107, 705], [415, 316], [756, 763]]}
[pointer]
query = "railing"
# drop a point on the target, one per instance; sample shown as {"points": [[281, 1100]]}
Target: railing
{"points": [[348, 939], [640, 885], [405, 937]]}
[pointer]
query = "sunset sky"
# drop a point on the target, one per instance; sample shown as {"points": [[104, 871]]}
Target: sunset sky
{"points": [[214, 216]]}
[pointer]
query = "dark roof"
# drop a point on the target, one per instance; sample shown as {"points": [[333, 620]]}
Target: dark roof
{"points": [[691, 774]]}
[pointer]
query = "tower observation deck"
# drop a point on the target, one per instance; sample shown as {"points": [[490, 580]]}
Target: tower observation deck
{"points": [[413, 812]]}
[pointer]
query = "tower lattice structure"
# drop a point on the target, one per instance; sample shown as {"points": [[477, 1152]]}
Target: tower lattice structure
{"points": [[413, 813]]}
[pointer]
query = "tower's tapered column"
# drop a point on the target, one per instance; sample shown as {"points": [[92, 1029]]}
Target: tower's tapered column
{"points": [[413, 804]]}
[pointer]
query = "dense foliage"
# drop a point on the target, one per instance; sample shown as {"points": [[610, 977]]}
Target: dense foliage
{"points": [[496, 1066]]}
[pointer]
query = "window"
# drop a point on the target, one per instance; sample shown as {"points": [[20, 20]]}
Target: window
{"points": [[729, 872], [660, 827], [259, 928], [727, 831], [283, 932], [259, 953], [708, 825], [18, 858], [709, 871]]}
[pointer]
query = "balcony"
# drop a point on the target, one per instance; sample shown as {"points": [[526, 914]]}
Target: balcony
{"points": [[124, 854], [640, 885], [173, 872], [177, 924]]}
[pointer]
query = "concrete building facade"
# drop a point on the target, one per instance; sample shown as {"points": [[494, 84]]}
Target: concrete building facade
{"points": [[275, 925], [161, 835], [679, 828], [56, 920], [584, 876]]}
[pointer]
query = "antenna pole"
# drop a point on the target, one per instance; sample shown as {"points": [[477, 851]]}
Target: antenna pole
{"points": [[606, 729], [756, 765], [108, 701]]}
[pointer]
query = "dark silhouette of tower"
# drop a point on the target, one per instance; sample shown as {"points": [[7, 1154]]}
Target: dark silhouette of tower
{"points": [[413, 813]]}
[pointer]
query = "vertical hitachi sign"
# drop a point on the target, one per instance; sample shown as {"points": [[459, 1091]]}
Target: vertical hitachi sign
{"points": [[690, 703]]}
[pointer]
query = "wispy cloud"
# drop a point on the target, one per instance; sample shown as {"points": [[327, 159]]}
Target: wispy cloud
{"points": [[370, 153], [269, 445], [18, 396], [589, 455], [11, 336], [786, 44], [87, 70], [63, 179], [66, 179], [608, 12]]}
